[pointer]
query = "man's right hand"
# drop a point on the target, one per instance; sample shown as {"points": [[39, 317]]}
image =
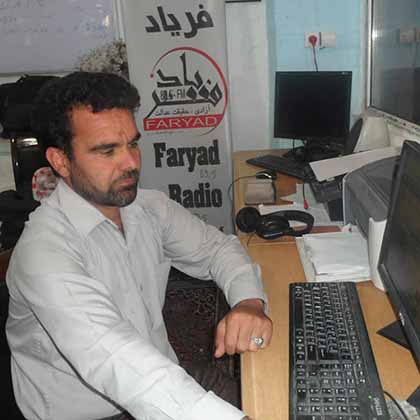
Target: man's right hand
{"points": [[235, 332]]}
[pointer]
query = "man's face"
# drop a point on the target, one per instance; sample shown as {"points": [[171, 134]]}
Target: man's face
{"points": [[105, 164]]}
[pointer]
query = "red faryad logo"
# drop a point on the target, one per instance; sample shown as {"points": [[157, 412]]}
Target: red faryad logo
{"points": [[190, 92]]}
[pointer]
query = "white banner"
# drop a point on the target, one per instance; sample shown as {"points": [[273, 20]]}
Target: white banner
{"points": [[177, 60]]}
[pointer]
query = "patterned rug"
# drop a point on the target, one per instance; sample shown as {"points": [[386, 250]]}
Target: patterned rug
{"points": [[192, 311]]}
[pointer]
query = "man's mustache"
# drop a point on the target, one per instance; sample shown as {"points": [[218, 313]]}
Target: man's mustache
{"points": [[133, 174]]}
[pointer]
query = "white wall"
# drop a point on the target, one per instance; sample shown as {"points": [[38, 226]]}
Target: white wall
{"points": [[248, 65]]}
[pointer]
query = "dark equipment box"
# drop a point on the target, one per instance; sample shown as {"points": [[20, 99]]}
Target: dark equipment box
{"points": [[367, 192]]}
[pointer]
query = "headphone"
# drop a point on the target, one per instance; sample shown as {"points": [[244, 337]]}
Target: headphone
{"points": [[273, 225]]}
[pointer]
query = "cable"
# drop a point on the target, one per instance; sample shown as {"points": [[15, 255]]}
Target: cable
{"points": [[313, 40], [397, 404], [232, 212], [249, 238], [234, 182], [315, 62], [305, 202]]}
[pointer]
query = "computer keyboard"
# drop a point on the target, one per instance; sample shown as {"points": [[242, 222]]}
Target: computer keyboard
{"points": [[333, 374], [325, 191], [283, 165]]}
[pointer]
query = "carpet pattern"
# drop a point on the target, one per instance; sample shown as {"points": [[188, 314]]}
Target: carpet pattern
{"points": [[192, 311]]}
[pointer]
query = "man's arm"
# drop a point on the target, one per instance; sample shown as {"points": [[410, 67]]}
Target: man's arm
{"points": [[203, 251]]}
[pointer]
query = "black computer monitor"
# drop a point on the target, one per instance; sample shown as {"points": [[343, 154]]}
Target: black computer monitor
{"points": [[399, 260], [313, 106]]}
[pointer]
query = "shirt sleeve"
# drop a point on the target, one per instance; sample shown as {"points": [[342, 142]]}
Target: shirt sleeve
{"points": [[105, 350], [204, 252]]}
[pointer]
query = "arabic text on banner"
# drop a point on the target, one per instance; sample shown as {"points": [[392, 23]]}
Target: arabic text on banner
{"points": [[177, 60]]}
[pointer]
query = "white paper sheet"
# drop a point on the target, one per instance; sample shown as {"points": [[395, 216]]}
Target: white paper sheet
{"points": [[329, 168], [297, 197]]}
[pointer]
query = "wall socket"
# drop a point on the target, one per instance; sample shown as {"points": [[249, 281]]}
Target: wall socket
{"points": [[323, 39], [309, 34]]}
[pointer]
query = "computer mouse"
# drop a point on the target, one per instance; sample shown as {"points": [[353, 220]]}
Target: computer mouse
{"points": [[266, 174]]}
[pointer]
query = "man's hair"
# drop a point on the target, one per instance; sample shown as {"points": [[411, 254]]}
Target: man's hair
{"points": [[51, 117]]}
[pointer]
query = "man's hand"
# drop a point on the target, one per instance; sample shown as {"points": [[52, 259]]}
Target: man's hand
{"points": [[236, 330]]}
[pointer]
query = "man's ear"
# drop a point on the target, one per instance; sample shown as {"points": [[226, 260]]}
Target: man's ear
{"points": [[59, 161]]}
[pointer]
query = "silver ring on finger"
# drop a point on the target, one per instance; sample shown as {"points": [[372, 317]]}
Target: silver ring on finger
{"points": [[258, 341]]}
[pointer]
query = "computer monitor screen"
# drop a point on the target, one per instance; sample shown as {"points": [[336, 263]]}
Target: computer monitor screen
{"points": [[311, 105], [399, 260]]}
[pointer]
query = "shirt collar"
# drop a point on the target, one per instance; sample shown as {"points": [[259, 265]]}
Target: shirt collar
{"points": [[84, 216], [81, 214], [131, 216]]}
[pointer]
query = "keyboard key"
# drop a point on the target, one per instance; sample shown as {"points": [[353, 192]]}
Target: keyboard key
{"points": [[301, 394]]}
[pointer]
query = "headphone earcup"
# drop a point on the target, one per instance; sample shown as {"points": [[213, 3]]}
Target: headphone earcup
{"points": [[247, 219], [300, 216], [272, 226]]}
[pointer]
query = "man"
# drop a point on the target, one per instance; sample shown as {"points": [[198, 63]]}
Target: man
{"points": [[87, 279]]}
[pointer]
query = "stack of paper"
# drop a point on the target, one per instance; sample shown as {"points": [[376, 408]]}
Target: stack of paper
{"points": [[334, 256]]}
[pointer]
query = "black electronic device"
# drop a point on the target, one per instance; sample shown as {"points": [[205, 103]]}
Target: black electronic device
{"points": [[353, 137], [332, 370], [273, 225], [17, 103], [399, 260], [283, 165], [313, 106], [27, 157], [329, 190], [325, 191], [266, 174]]}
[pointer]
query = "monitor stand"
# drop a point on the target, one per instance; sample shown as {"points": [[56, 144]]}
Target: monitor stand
{"points": [[311, 151], [395, 333]]}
